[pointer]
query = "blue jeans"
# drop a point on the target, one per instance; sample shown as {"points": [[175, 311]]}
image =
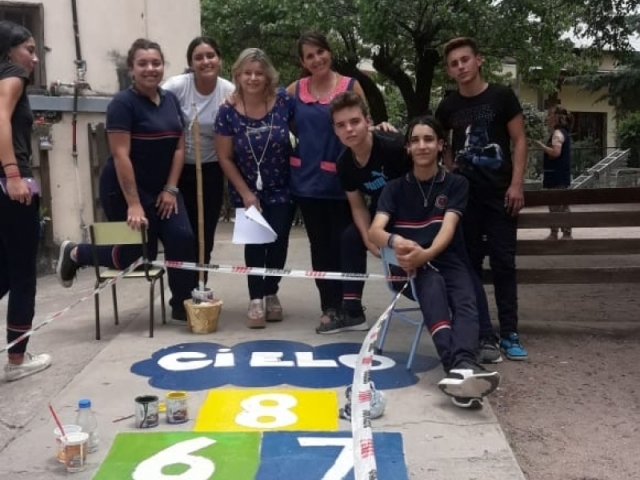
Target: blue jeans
{"points": [[486, 216], [174, 232], [270, 255], [19, 236]]}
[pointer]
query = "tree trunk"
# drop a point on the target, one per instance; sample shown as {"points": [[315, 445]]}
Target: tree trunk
{"points": [[426, 63], [375, 99], [386, 66]]}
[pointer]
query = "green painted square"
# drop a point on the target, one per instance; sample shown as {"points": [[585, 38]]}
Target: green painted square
{"points": [[206, 456]]}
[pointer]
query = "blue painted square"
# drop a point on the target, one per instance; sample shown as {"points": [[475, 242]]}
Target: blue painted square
{"points": [[326, 456]]}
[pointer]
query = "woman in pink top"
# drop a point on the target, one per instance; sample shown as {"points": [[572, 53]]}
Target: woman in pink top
{"points": [[314, 183]]}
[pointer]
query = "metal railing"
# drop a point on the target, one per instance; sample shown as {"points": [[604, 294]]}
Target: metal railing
{"points": [[600, 175]]}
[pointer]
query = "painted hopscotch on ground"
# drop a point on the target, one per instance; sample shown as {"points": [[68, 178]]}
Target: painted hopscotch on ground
{"points": [[246, 456], [202, 366], [263, 432], [251, 410]]}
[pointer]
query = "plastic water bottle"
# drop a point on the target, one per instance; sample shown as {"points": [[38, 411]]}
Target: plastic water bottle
{"points": [[86, 419]]}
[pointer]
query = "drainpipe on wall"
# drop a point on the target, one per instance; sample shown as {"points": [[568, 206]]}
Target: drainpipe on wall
{"points": [[79, 83]]}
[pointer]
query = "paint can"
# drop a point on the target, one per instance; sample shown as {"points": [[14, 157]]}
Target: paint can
{"points": [[146, 411], [177, 409]]}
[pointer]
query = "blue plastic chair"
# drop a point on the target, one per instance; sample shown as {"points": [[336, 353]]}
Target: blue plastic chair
{"points": [[388, 257]]}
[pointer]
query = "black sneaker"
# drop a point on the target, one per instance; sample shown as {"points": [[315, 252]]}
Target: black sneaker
{"points": [[489, 350], [469, 380], [472, 403], [342, 322], [66, 268]]}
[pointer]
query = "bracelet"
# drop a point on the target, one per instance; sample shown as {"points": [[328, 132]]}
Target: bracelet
{"points": [[172, 190], [390, 240], [12, 175], [12, 164]]}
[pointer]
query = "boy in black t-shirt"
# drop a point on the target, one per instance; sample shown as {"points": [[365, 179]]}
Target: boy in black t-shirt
{"points": [[370, 160], [418, 216], [485, 120]]}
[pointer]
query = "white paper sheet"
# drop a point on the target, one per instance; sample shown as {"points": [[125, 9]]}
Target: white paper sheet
{"points": [[251, 227]]}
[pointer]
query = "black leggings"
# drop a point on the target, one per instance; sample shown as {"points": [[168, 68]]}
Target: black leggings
{"points": [[325, 220], [212, 195], [19, 237]]}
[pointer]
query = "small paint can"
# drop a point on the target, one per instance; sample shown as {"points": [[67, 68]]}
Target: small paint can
{"points": [[177, 410], [146, 411]]}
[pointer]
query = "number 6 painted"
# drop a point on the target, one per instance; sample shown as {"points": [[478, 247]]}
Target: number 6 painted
{"points": [[256, 414], [200, 468]]}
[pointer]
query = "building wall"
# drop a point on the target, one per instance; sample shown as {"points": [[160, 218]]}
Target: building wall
{"points": [[107, 29], [575, 100]]}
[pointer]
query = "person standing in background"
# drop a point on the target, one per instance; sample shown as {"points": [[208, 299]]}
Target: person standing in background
{"points": [[557, 161], [202, 88], [314, 180], [19, 199]]}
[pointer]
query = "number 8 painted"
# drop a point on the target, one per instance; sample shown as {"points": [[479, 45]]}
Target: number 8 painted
{"points": [[256, 414]]}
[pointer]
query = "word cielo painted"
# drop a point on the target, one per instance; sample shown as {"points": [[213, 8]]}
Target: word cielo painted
{"points": [[225, 358], [265, 363]]}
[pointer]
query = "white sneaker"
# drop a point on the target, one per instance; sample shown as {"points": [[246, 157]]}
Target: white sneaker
{"points": [[469, 381], [255, 314], [273, 308], [30, 365]]}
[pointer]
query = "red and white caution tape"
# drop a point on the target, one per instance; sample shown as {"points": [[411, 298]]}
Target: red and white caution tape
{"points": [[275, 272], [50, 318], [364, 460]]}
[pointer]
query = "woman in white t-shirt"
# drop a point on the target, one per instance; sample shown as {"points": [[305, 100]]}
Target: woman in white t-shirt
{"points": [[201, 86]]}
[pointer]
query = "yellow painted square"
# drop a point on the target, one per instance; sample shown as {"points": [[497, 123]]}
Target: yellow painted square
{"points": [[268, 410]]}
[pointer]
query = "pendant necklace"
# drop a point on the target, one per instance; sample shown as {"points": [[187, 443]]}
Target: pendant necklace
{"points": [[426, 197], [259, 184]]}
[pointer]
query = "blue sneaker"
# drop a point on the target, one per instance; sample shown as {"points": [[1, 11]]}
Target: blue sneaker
{"points": [[511, 347]]}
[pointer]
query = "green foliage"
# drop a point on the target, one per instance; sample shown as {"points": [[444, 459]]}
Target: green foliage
{"points": [[629, 136], [404, 40], [535, 129], [534, 122], [629, 129], [585, 153], [620, 86], [395, 107]]}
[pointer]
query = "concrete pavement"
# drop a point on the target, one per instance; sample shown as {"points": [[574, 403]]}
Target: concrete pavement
{"points": [[441, 442]]}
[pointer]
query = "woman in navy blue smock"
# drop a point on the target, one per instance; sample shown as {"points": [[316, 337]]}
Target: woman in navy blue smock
{"points": [[557, 161], [253, 145], [314, 180], [139, 182]]}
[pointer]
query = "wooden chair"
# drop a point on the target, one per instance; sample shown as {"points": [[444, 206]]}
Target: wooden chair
{"points": [[119, 233]]}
